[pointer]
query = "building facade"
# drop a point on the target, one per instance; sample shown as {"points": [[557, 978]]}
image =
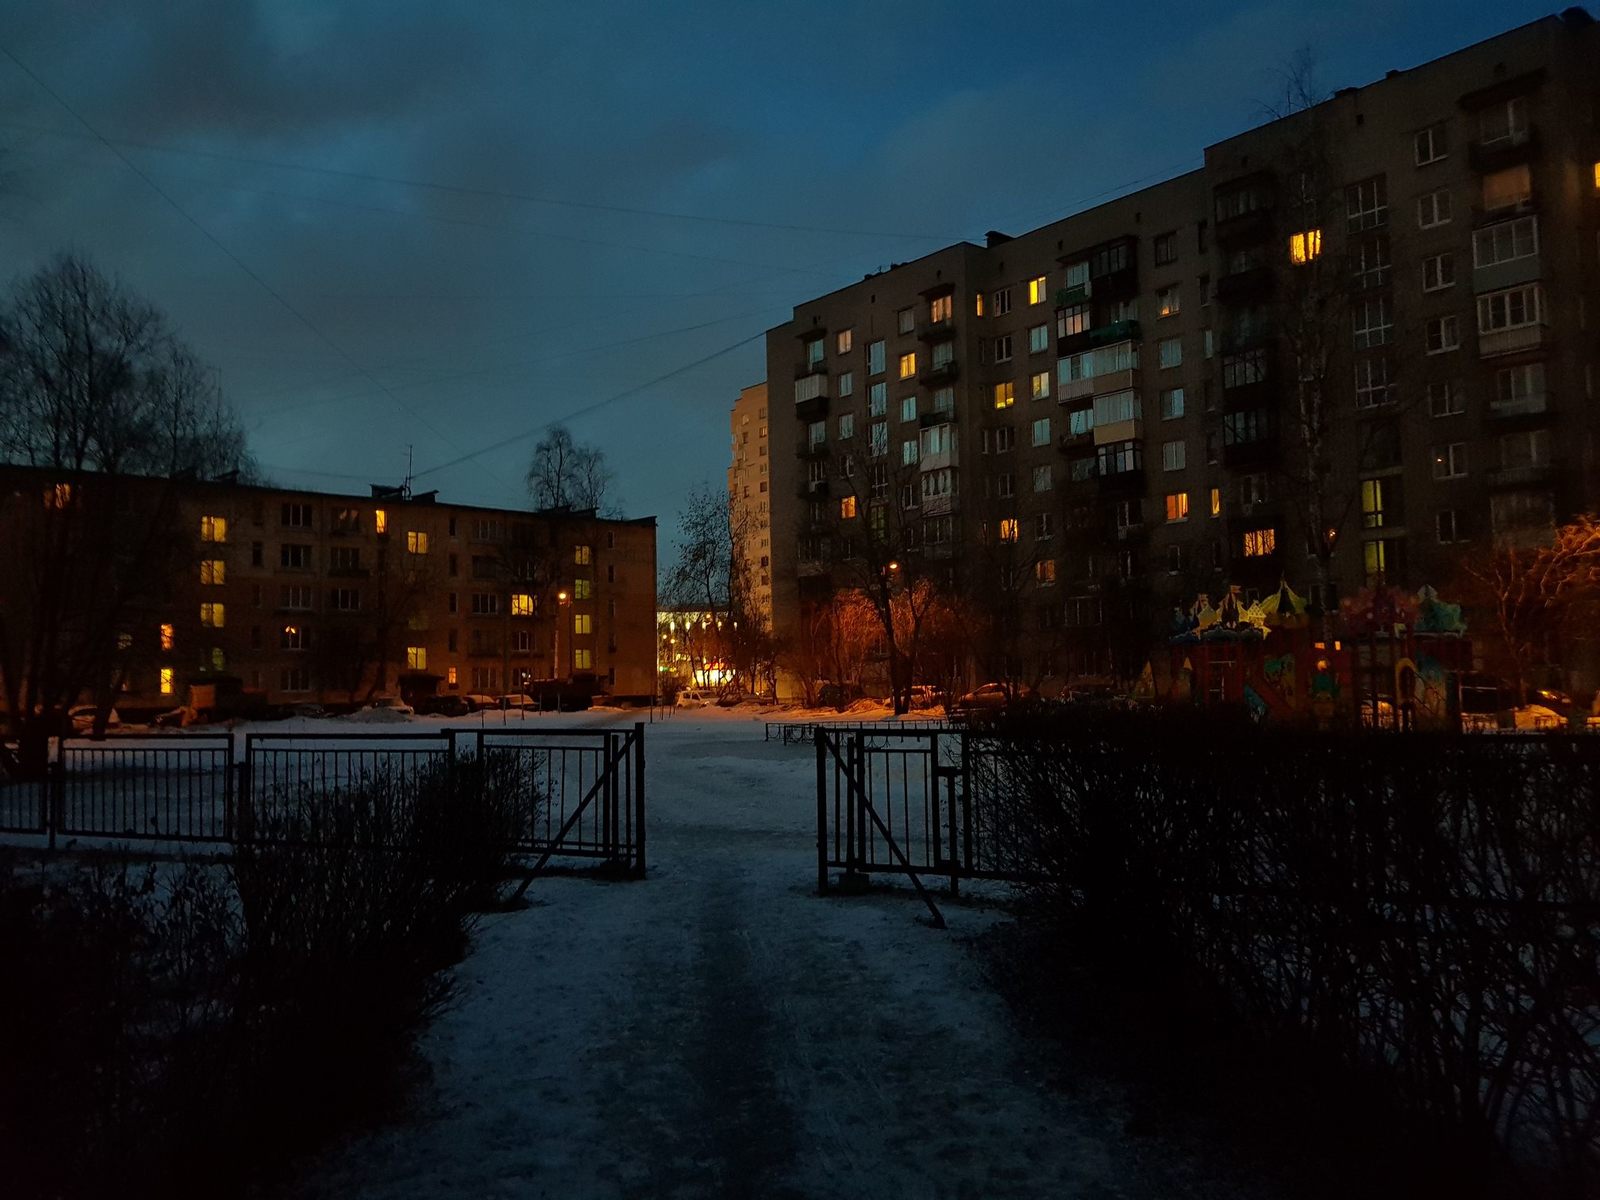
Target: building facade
{"points": [[296, 596], [1359, 344], [749, 499]]}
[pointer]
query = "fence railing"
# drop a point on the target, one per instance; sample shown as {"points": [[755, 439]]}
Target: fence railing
{"points": [[797, 733], [585, 786]]}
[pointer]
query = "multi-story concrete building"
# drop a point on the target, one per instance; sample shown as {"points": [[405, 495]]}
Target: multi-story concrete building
{"points": [[1358, 344], [748, 494], [316, 596]]}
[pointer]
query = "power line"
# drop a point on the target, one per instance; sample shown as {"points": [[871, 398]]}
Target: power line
{"points": [[491, 193]]}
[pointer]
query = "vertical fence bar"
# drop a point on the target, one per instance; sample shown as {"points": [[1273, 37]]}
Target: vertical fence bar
{"points": [[822, 812], [638, 798]]}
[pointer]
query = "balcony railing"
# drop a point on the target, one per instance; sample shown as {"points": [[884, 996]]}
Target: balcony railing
{"points": [[1116, 331], [813, 409], [802, 369], [1511, 341], [1520, 406], [943, 373], [1496, 276], [1525, 475], [1246, 285], [1498, 153], [933, 331], [806, 448], [1249, 226]]}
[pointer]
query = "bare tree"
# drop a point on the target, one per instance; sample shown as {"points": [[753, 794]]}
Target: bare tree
{"points": [[565, 474], [1537, 592], [111, 414]]}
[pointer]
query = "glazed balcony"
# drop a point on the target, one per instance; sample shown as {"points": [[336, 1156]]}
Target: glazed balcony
{"points": [[1524, 475], [1497, 154], [802, 369], [933, 376], [1252, 283], [933, 331], [814, 409], [1536, 404], [1513, 341]]}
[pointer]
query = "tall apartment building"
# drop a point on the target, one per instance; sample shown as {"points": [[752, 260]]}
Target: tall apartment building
{"points": [[748, 490], [1083, 426], [318, 596]]}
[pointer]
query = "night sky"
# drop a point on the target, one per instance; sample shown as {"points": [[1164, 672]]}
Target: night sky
{"points": [[408, 223]]}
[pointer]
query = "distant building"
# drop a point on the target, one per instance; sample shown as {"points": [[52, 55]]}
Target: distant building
{"points": [[1094, 421], [316, 596], [748, 491], [692, 648]]}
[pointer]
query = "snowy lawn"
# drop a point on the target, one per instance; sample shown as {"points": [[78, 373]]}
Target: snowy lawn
{"points": [[720, 1030]]}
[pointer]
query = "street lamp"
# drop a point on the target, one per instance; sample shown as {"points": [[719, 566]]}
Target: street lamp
{"points": [[561, 599]]}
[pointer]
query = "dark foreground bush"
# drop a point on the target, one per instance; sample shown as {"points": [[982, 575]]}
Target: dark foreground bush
{"points": [[1419, 913], [178, 1029]]}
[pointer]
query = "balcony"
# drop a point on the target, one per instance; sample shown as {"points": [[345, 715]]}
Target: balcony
{"points": [[1244, 396], [1249, 284], [1117, 331], [1078, 294], [1520, 406], [1519, 147], [939, 416], [1253, 226], [1526, 475], [1512, 341], [933, 331], [932, 376], [1500, 275], [1259, 453], [1247, 337], [813, 409], [807, 449], [802, 369], [1121, 483], [812, 489], [1117, 431], [939, 506], [1117, 285], [1075, 443]]}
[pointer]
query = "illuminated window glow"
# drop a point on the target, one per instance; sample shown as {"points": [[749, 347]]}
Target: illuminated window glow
{"points": [[582, 623], [213, 529], [1177, 506], [167, 681], [213, 572], [1005, 395], [521, 604], [1216, 502], [1036, 290], [58, 496], [450, 677], [847, 508], [1008, 529], [582, 555], [417, 658], [380, 521], [582, 659], [582, 589], [1260, 542], [908, 365], [416, 541], [166, 637], [212, 615], [1303, 247]]}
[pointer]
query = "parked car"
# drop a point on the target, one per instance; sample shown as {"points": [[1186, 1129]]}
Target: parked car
{"points": [[171, 719], [692, 698], [307, 710], [516, 700], [990, 697], [448, 705], [922, 696], [391, 704], [82, 717], [476, 701]]}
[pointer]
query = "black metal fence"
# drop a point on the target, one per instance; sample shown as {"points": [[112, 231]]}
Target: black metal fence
{"points": [[586, 785], [798, 733]]}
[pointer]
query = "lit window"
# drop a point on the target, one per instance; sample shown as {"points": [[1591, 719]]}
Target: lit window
{"points": [[1005, 395], [380, 521], [941, 309], [416, 541], [213, 571], [1008, 529], [293, 637], [1372, 506], [1168, 302], [1044, 572], [582, 623], [1039, 385], [1216, 502], [521, 604], [908, 365], [582, 589], [977, 301], [417, 658], [450, 677], [1036, 290], [846, 340], [582, 659], [582, 555], [166, 637], [212, 615], [213, 529], [167, 679], [1260, 542], [1177, 506], [1303, 247], [1597, 176], [58, 496], [847, 507]]}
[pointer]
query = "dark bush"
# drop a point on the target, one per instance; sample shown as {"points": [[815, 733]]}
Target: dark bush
{"points": [[1422, 912]]}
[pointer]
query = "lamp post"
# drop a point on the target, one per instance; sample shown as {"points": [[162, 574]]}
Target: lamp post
{"points": [[561, 609]]}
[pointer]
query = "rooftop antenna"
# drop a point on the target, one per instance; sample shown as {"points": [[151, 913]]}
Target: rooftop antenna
{"points": [[405, 488]]}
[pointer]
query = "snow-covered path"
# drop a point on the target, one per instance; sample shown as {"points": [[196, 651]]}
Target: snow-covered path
{"points": [[719, 1030]]}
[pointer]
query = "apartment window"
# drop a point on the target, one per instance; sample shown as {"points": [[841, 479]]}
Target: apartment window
{"points": [[1240, 370], [1039, 385], [1001, 347], [998, 441], [1215, 501], [1514, 385], [213, 529], [1373, 509], [806, 388], [1433, 209], [1505, 241], [1512, 309], [1239, 202], [1043, 479], [847, 385], [1080, 422], [213, 572], [416, 541], [906, 320], [1009, 529], [1038, 339], [582, 623], [1170, 352], [1166, 248], [944, 400], [487, 529], [815, 352], [876, 358], [1118, 458], [344, 600], [416, 658], [1448, 523], [878, 400], [1037, 289], [1000, 302], [521, 641], [1507, 122], [1117, 406], [213, 614], [941, 308], [908, 452], [1375, 556], [296, 516], [295, 557], [1445, 398], [522, 603], [845, 341], [1258, 543], [485, 604], [1372, 383], [582, 556], [1072, 320], [878, 439], [450, 602], [1430, 144], [908, 407], [347, 559], [1168, 301], [1171, 404], [1041, 432], [1371, 322], [1173, 456], [1438, 272], [1044, 527], [1509, 188], [847, 425], [1443, 334], [1525, 448], [1450, 460], [1366, 204], [1177, 506], [1005, 484], [1369, 262], [1044, 572], [1305, 246], [1246, 428], [294, 679], [380, 521], [1005, 394], [908, 365]]}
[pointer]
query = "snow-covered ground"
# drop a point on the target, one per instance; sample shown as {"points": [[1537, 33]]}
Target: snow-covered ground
{"points": [[720, 1030]]}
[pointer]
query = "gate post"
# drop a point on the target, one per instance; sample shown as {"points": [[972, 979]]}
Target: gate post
{"points": [[638, 797], [55, 778], [822, 811]]}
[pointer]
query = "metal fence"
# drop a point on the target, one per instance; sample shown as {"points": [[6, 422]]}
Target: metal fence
{"points": [[796, 733], [586, 786]]}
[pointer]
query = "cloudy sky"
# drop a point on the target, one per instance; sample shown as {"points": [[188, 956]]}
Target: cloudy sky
{"points": [[408, 225]]}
